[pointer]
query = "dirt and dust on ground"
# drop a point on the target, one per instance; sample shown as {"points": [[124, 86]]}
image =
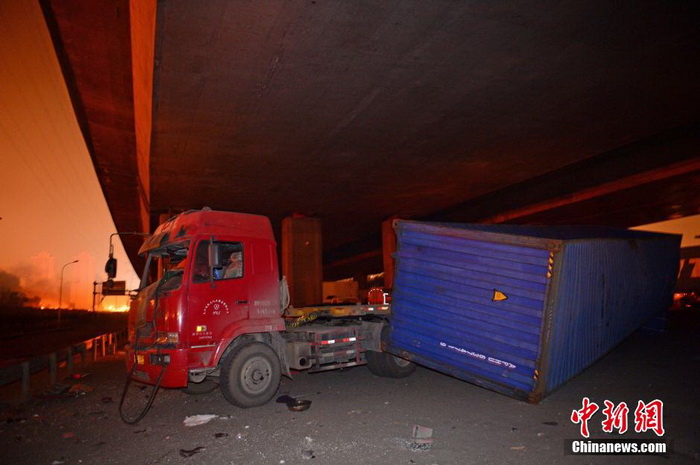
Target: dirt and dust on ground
{"points": [[356, 417]]}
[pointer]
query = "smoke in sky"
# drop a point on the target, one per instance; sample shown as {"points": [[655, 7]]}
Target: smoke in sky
{"points": [[35, 283], [41, 280], [12, 292], [8, 281]]}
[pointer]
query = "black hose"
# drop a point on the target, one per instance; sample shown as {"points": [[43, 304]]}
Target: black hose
{"points": [[129, 378], [151, 398]]}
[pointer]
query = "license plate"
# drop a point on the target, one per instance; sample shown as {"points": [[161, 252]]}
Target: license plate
{"points": [[140, 360]]}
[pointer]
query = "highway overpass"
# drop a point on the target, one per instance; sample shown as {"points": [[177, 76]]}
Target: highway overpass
{"points": [[550, 112]]}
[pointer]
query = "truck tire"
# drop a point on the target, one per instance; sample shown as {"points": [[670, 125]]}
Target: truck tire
{"points": [[389, 366], [250, 375], [204, 387]]}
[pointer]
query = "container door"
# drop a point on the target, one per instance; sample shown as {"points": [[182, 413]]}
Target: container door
{"points": [[470, 307]]}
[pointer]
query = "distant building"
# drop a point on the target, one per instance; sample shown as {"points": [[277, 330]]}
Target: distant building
{"points": [[44, 265]]}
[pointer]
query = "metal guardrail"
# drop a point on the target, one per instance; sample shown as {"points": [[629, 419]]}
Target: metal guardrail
{"points": [[99, 346]]}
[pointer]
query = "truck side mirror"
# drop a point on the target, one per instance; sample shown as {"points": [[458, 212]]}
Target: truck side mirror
{"points": [[214, 256], [111, 268]]}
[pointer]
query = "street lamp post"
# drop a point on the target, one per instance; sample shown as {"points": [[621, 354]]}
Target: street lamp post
{"points": [[60, 292]]}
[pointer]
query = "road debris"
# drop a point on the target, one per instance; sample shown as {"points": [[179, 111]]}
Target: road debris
{"points": [[307, 453], [196, 420], [189, 453], [80, 389], [299, 405], [294, 403], [57, 391], [421, 438]]}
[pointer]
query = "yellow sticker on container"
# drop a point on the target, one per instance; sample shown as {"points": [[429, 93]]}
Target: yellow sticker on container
{"points": [[498, 296]]}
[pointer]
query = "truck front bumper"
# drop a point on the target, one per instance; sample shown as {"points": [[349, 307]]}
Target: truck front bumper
{"points": [[151, 362]]}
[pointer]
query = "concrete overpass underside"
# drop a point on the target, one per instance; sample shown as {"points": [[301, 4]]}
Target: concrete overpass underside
{"points": [[572, 112]]}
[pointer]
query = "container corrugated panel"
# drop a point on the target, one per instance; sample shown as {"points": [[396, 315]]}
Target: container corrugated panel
{"points": [[522, 309], [606, 290]]}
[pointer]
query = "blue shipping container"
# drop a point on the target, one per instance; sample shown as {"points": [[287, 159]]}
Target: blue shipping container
{"points": [[522, 309]]}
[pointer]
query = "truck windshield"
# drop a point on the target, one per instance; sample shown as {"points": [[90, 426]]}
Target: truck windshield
{"points": [[172, 260]]}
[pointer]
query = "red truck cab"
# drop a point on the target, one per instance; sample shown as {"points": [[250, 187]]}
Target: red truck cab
{"points": [[214, 308]]}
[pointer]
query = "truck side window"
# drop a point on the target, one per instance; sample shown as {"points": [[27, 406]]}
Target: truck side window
{"points": [[231, 254], [230, 257]]}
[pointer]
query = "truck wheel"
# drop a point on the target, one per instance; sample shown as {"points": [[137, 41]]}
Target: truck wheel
{"points": [[389, 366], [204, 387], [250, 375]]}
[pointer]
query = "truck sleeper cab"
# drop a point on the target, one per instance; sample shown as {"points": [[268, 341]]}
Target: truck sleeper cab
{"points": [[213, 309]]}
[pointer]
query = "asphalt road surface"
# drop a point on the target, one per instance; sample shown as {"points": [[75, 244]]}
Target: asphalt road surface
{"points": [[358, 418]]}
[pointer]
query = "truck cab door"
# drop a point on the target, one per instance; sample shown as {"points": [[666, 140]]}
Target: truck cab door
{"points": [[218, 295]]}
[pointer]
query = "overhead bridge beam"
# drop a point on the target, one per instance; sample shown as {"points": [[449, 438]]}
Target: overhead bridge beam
{"points": [[600, 190], [660, 162], [677, 169], [110, 82]]}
